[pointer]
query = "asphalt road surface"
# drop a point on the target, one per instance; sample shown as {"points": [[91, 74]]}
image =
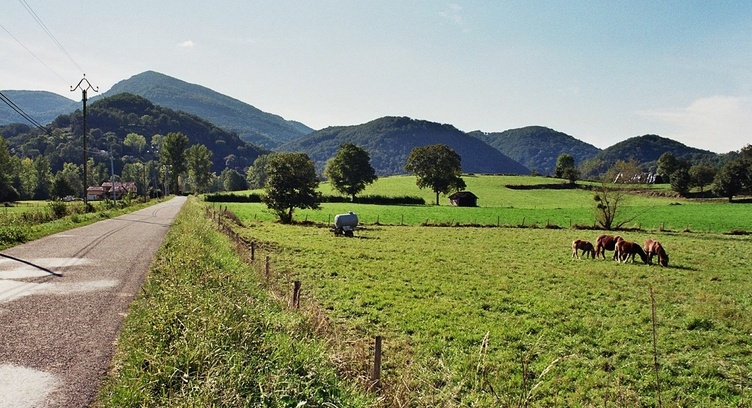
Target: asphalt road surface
{"points": [[63, 299]]}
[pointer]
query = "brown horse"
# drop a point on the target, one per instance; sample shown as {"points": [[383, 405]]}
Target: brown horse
{"points": [[585, 246], [653, 247], [626, 250], [604, 243]]}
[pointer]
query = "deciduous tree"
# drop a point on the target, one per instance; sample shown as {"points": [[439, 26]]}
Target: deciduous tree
{"points": [[350, 170], [7, 191], [291, 184], [565, 168], [199, 167], [437, 167], [172, 155], [256, 175]]}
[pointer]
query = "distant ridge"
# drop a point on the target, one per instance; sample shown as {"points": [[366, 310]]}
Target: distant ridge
{"points": [[251, 124], [644, 149], [537, 147], [389, 141], [43, 106]]}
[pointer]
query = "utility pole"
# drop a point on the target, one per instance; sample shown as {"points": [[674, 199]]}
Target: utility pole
{"points": [[84, 89]]}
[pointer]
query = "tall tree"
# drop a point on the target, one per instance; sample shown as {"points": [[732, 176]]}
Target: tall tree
{"points": [[681, 181], [667, 165], [701, 175], [437, 167], [350, 170], [199, 167], [232, 180], [135, 141], [565, 168], [256, 175], [291, 184], [729, 181], [172, 155], [7, 191]]}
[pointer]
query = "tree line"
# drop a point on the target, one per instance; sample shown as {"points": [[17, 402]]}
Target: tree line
{"points": [[727, 179]]}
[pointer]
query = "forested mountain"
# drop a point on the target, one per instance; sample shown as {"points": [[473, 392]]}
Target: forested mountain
{"points": [[43, 106], [389, 141], [537, 147], [110, 119], [251, 124], [645, 150]]}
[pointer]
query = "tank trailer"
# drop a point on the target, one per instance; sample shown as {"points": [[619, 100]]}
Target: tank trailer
{"points": [[345, 224]]}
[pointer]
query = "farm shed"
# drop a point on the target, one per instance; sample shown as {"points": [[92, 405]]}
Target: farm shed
{"points": [[463, 199]]}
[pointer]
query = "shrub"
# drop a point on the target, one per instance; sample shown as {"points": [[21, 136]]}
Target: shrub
{"points": [[12, 235], [58, 209]]}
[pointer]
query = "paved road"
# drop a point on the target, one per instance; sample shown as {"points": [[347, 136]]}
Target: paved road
{"points": [[62, 303]]}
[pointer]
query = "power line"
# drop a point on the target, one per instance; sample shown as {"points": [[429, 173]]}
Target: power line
{"points": [[49, 33], [22, 113], [34, 55]]}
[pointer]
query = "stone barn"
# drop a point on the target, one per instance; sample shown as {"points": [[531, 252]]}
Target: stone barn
{"points": [[463, 199]]}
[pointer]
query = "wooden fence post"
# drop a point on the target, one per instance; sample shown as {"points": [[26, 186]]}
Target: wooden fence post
{"points": [[296, 294], [253, 251], [376, 376]]}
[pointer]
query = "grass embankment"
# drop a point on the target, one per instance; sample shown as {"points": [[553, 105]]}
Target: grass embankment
{"points": [[32, 220], [205, 332]]}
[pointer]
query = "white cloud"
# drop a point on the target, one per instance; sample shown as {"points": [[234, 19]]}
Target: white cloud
{"points": [[186, 44], [717, 123], [453, 13]]}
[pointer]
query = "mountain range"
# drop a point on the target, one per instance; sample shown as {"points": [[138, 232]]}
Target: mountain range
{"points": [[388, 140]]}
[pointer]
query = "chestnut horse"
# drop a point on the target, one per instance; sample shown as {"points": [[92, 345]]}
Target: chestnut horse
{"points": [[585, 246], [653, 247], [626, 250], [604, 243]]}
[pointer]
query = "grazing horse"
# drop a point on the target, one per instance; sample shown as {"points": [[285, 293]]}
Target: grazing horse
{"points": [[626, 250], [585, 246], [653, 247], [604, 243]]}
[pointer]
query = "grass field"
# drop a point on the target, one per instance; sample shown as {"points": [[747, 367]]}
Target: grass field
{"points": [[437, 293], [498, 205]]}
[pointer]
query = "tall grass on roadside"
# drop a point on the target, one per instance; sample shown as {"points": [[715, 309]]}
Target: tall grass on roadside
{"points": [[204, 332]]}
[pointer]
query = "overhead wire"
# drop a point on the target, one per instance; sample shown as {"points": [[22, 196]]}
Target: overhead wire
{"points": [[49, 33], [21, 112], [34, 55]]}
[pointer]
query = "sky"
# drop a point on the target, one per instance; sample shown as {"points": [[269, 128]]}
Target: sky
{"points": [[600, 71]]}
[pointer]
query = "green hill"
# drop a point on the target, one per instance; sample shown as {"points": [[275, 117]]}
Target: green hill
{"points": [[110, 119], [250, 123], [645, 150], [389, 141], [537, 147], [43, 106]]}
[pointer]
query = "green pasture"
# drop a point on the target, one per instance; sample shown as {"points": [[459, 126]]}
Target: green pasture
{"points": [[506, 317], [502, 206]]}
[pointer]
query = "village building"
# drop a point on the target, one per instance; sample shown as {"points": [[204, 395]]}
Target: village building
{"points": [[106, 190]]}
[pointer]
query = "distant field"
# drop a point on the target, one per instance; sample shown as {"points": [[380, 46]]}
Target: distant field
{"points": [[499, 205]]}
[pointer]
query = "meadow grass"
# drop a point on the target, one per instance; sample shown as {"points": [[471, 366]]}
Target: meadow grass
{"points": [[475, 316], [205, 332], [502, 206]]}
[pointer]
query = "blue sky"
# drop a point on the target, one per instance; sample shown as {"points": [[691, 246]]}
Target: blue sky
{"points": [[601, 71]]}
